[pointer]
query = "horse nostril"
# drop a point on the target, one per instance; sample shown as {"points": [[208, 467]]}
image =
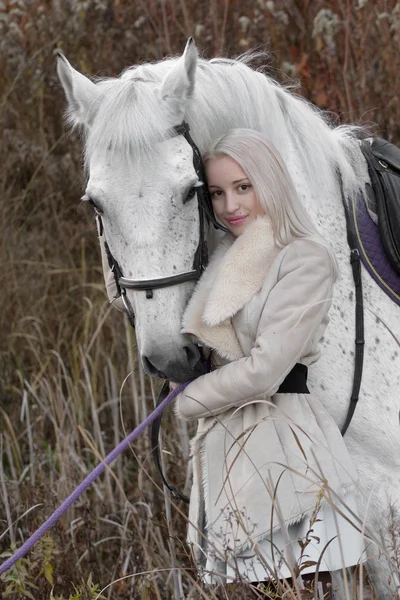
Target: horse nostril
{"points": [[180, 366], [149, 368], [192, 355]]}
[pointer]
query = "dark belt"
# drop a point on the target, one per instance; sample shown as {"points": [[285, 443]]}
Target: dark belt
{"points": [[295, 382]]}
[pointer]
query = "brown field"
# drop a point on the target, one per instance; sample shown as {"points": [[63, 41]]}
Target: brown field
{"points": [[70, 383]]}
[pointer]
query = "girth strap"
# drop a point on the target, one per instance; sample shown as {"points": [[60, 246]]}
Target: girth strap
{"points": [[359, 318]]}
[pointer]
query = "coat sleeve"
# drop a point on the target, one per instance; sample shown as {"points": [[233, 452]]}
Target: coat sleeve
{"points": [[109, 280], [292, 313]]}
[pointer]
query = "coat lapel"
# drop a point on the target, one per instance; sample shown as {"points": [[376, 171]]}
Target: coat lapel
{"points": [[236, 272]]}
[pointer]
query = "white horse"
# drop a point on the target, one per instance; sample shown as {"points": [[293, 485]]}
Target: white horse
{"points": [[140, 179]]}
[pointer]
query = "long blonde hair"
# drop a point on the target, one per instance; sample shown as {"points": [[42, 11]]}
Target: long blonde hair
{"points": [[262, 163]]}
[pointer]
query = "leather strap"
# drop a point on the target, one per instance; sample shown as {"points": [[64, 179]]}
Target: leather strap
{"points": [[159, 282], [359, 318], [155, 447], [205, 202]]}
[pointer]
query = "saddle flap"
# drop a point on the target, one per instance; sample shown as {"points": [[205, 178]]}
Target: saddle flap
{"points": [[383, 159]]}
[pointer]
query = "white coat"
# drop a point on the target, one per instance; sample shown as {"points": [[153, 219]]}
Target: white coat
{"points": [[261, 310]]}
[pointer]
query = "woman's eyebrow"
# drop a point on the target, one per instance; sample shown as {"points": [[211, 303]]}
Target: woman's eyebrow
{"points": [[233, 182], [239, 180]]}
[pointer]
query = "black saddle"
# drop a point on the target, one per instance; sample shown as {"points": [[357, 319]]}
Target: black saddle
{"points": [[383, 159]]}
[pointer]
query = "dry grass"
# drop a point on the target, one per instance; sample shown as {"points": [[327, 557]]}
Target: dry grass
{"points": [[64, 355]]}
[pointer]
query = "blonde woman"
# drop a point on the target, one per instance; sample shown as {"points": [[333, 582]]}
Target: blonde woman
{"points": [[267, 456]]}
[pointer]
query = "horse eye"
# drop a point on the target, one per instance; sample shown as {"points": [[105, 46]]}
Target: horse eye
{"points": [[89, 200], [190, 195]]}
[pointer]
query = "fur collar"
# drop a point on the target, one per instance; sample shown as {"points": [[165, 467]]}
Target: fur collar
{"points": [[236, 272]]}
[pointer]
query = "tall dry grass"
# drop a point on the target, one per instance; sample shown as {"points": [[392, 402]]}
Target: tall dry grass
{"points": [[70, 383]]}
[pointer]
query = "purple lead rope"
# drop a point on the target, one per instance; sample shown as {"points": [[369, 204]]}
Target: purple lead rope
{"points": [[30, 542]]}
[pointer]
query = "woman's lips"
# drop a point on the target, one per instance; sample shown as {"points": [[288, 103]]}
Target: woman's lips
{"points": [[236, 220]]}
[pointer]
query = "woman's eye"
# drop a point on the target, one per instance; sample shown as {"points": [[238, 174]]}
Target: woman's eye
{"points": [[216, 194], [244, 187]]}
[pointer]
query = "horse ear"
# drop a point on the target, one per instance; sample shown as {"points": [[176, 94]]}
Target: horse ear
{"points": [[178, 85], [79, 90]]}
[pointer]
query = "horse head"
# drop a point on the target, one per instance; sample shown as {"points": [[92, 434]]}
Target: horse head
{"points": [[142, 184]]}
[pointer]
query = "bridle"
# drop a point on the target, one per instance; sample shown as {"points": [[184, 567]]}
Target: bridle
{"points": [[201, 255]]}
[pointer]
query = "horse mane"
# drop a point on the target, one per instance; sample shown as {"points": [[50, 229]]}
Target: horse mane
{"points": [[128, 118]]}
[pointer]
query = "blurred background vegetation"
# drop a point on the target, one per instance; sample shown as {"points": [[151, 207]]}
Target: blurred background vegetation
{"points": [[66, 396]]}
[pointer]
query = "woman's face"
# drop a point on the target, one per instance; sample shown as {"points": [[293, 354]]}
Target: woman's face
{"points": [[233, 197]]}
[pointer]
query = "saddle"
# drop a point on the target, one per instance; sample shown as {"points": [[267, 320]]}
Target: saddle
{"points": [[383, 160], [373, 235]]}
